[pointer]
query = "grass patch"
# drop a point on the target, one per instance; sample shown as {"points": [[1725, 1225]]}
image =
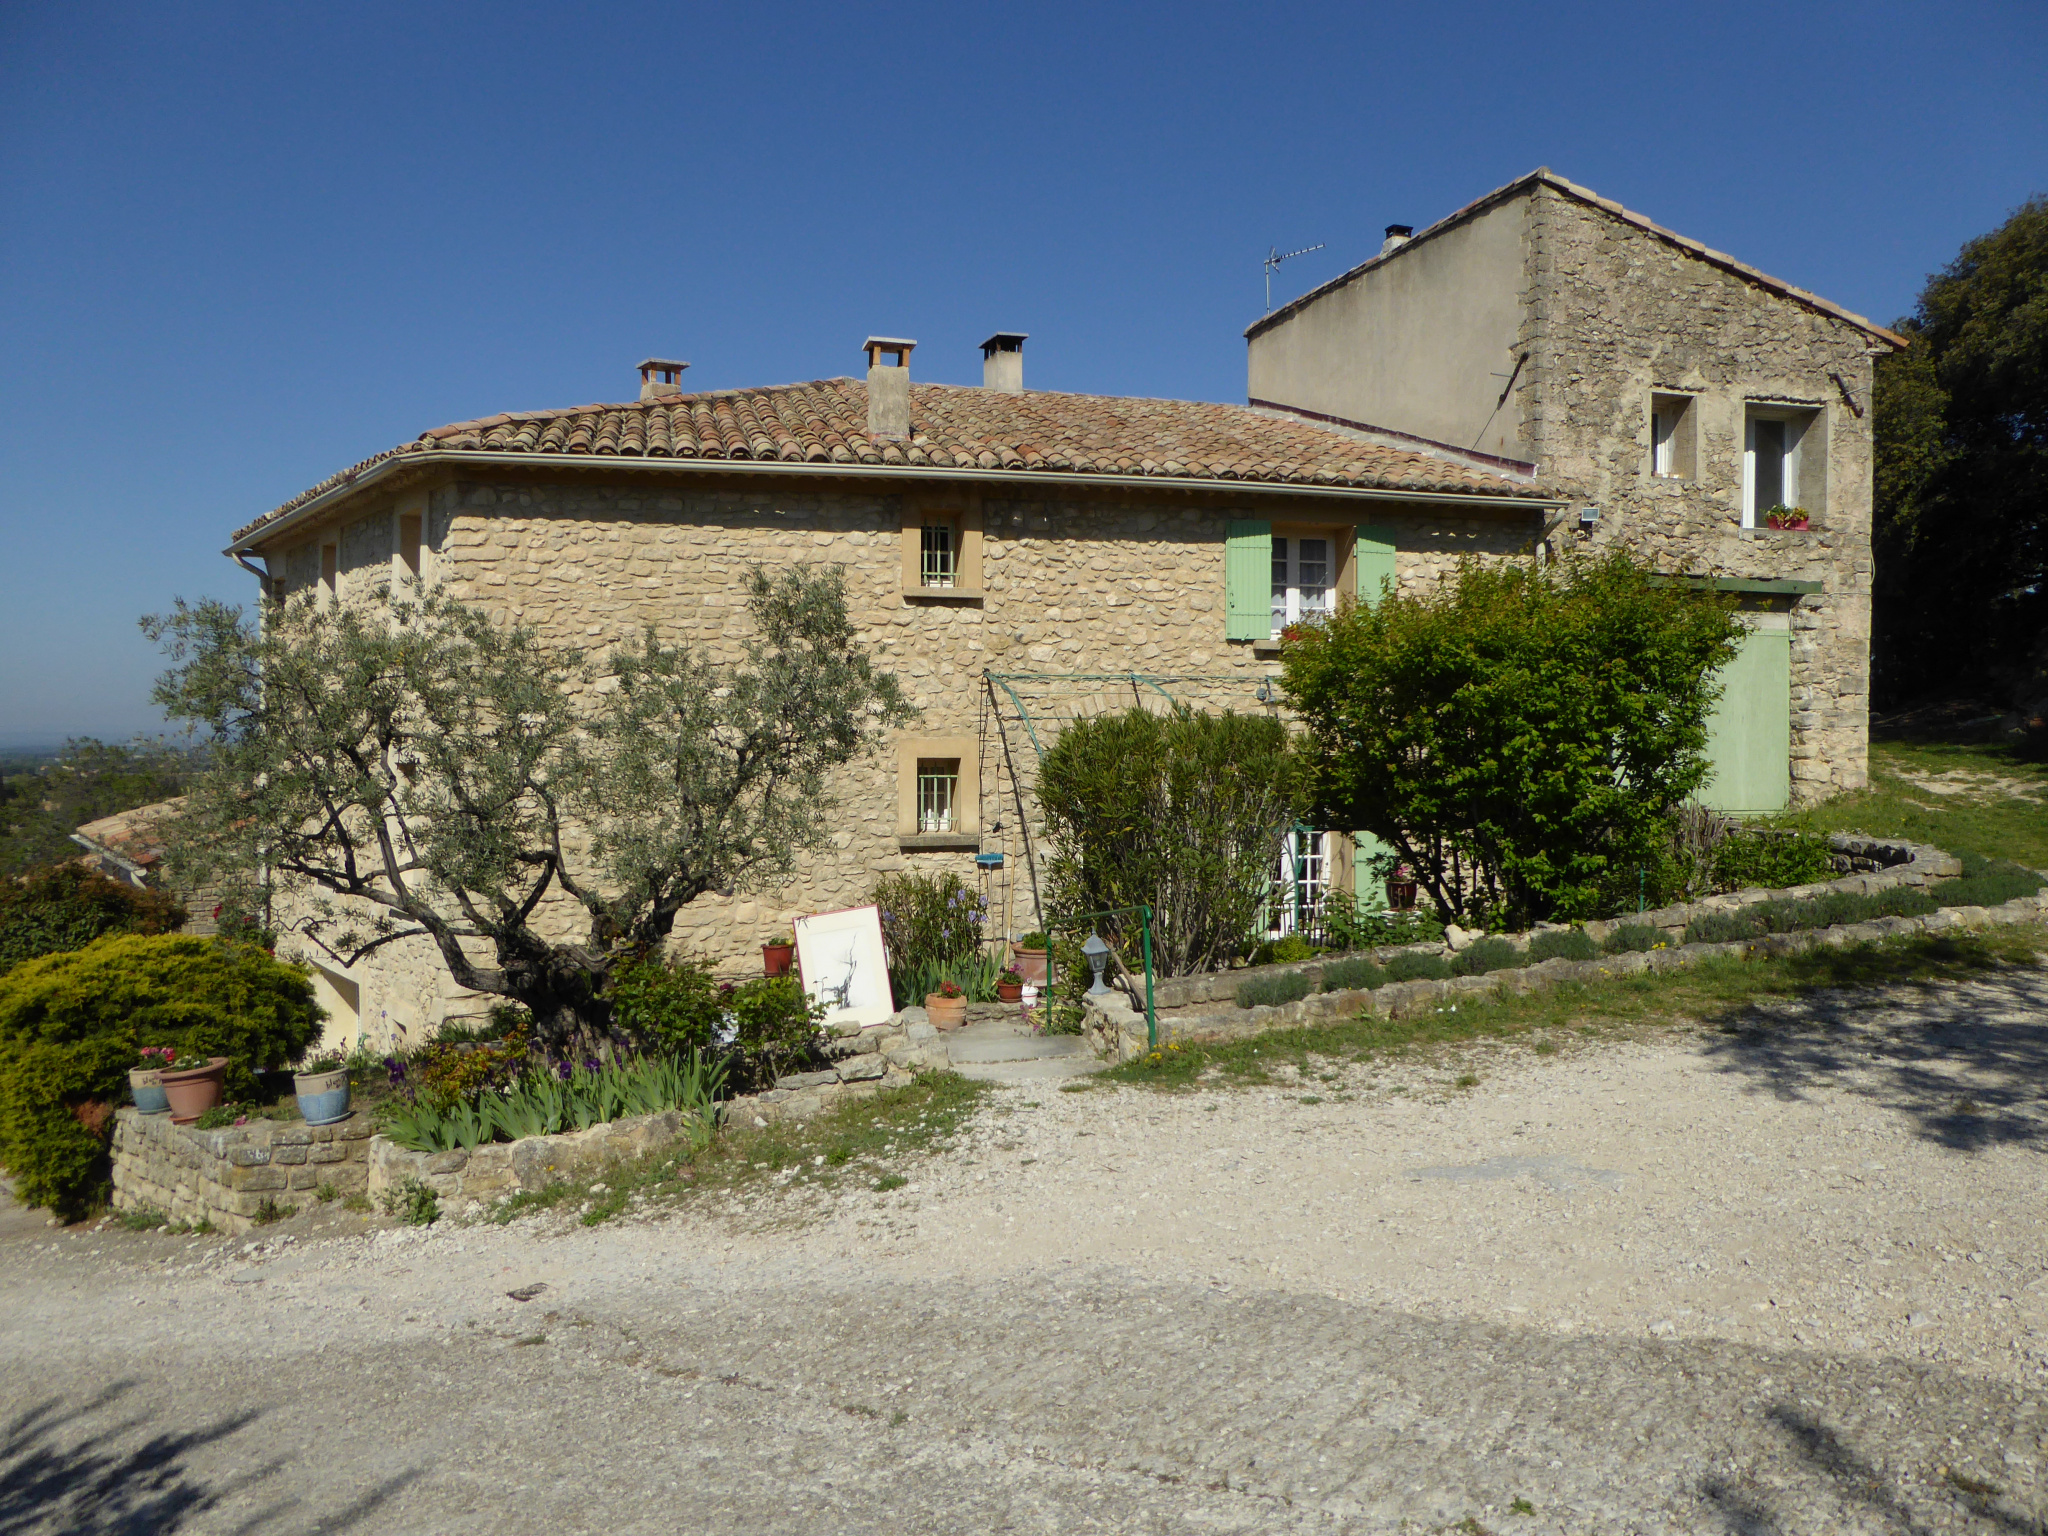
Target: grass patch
{"points": [[145, 1218], [857, 1141], [1976, 817], [1708, 992], [270, 1211]]}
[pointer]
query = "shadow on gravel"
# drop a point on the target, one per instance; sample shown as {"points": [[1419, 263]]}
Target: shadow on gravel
{"points": [[83, 1470], [1965, 1058], [1855, 1481]]}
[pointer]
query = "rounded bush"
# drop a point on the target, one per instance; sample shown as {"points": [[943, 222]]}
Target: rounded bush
{"points": [[1270, 991], [1354, 975], [1562, 944], [67, 906], [71, 1026], [1489, 954], [1416, 966]]}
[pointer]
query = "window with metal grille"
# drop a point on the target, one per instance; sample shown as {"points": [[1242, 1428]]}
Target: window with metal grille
{"points": [[941, 559], [938, 793], [1301, 882], [1301, 580]]}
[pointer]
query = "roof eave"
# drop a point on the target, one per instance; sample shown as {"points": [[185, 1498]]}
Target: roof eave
{"points": [[252, 538]]}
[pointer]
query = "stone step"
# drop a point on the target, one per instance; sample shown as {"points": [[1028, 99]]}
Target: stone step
{"points": [[1043, 1069], [965, 1047]]}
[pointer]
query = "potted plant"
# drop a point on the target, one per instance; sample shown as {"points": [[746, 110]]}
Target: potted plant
{"points": [[146, 1082], [1028, 953], [947, 1007], [323, 1089], [1010, 986], [1792, 519], [1401, 888], [777, 954], [191, 1083]]}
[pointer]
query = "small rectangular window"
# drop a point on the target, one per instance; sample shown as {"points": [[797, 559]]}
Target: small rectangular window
{"points": [[938, 793], [1302, 583], [939, 565], [409, 543], [1672, 453], [1784, 464]]}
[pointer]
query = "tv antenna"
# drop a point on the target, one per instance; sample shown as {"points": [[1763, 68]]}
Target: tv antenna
{"points": [[1273, 260]]}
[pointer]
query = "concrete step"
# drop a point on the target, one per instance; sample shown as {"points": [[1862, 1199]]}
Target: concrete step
{"points": [[1044, 1069], [965, 1047]]}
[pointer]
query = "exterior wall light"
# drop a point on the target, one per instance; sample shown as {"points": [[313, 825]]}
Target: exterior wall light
{"points": [[1098, 961]]}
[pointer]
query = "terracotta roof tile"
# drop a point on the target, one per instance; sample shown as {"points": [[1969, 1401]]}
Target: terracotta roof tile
{"points": [[957, 427]]}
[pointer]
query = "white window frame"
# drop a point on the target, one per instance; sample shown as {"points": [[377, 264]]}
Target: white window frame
{"points": [[1301, 872], [1663, 425], [1291, 594], [1797, 425], [938, 794], [938, 555]]}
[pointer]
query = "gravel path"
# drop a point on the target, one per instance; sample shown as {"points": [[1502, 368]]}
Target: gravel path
{"points": [[1790, 1279]]}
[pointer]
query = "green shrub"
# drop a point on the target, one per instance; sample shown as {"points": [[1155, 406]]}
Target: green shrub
{"points": [[1268, 991], [1562, 944], [1517, 732], [546, 1101], [670, 1007], [1986, 883], [413, 1202], [1356, 927], [927, 920], [1353, 975], [1633, 938], [763, 1025], [1284, 951], [72, 1024], [1489, 954], [1760, 857], [1831, 910], [775, 1027], [1179, 811], [67, 906], [1413, 965]]}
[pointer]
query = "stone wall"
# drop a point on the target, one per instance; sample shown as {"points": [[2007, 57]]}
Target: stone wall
{"points": [[1127, 580], [224, 1176], [1695, 329], [863, 1062]]}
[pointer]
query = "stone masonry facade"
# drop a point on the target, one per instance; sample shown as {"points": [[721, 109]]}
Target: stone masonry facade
{"points": [[1698, 330], [1125, 582], [225, 1176]]}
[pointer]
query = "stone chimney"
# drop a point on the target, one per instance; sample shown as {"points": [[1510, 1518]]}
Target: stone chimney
{"points": [[661, 376], [1002, 362], [888, 386], [1398, 235]]}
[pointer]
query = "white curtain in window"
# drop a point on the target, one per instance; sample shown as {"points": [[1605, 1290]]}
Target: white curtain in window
{"points": [[1301, 580]]}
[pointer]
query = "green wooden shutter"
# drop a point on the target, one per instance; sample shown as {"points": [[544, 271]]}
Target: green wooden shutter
{"points": [[1248, 580], [1374, 553], [1749, 734]]}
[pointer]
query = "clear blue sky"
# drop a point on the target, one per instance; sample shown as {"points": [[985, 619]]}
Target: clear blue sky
{"points": [[243, 247]]}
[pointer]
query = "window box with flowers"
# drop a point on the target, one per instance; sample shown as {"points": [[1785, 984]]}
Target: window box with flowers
{"points": [[1787, 519]]}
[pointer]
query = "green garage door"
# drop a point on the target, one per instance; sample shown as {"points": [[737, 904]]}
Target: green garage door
{"points": [[1749, 734]]}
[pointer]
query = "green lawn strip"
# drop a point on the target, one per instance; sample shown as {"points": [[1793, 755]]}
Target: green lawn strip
{"points": [[1992, 824], [861, 1141], [1707, 992]]}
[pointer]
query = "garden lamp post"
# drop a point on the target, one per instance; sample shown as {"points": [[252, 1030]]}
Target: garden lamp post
{"points": [[1098, 961]]}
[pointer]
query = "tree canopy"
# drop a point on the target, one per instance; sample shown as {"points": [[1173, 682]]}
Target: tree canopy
{"points": [[403, 764], [1516, 735], [1961, 425]]}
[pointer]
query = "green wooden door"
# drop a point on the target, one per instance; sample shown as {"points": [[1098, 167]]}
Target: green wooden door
{"points": [[1749, 734]]}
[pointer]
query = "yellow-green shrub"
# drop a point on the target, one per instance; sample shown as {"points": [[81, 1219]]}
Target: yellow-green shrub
{"points": [[72, 1024]]}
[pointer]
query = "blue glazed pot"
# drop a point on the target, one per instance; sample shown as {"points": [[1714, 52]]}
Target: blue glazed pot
{"points": [[323, 1096], [148, 1092]]}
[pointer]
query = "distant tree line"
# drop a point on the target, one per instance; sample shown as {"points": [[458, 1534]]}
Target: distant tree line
{"points": [[1961, 530], [44, 798]]}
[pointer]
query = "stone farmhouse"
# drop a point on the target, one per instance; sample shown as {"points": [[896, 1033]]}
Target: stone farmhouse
{"points": [[999, 539], [1669, 394]]}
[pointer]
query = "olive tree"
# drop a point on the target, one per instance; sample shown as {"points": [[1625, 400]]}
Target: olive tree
{"points": [[402, 764]]}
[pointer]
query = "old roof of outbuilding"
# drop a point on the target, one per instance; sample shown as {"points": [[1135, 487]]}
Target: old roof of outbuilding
{"points": [[957, 428], [1544, 176]]}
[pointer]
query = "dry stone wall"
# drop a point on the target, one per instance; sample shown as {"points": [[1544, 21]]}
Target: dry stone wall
{"points": [[1694, 329], [225, 1176]]}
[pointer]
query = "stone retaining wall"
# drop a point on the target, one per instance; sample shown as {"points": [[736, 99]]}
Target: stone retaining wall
{"points": [[863, 1061], [1116, 1030], [224, 1176]]}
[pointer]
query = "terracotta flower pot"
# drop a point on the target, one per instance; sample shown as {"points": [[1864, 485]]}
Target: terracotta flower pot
{"points": [[1401, 894], [1010, 991], [776, 959], [323, 1096], [193, 1093], [945, 1012], [146, 1085], [1030, 964]]}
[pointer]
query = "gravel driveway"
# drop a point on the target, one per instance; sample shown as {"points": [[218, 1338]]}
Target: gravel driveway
{"points": [[1787, 1279]]}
